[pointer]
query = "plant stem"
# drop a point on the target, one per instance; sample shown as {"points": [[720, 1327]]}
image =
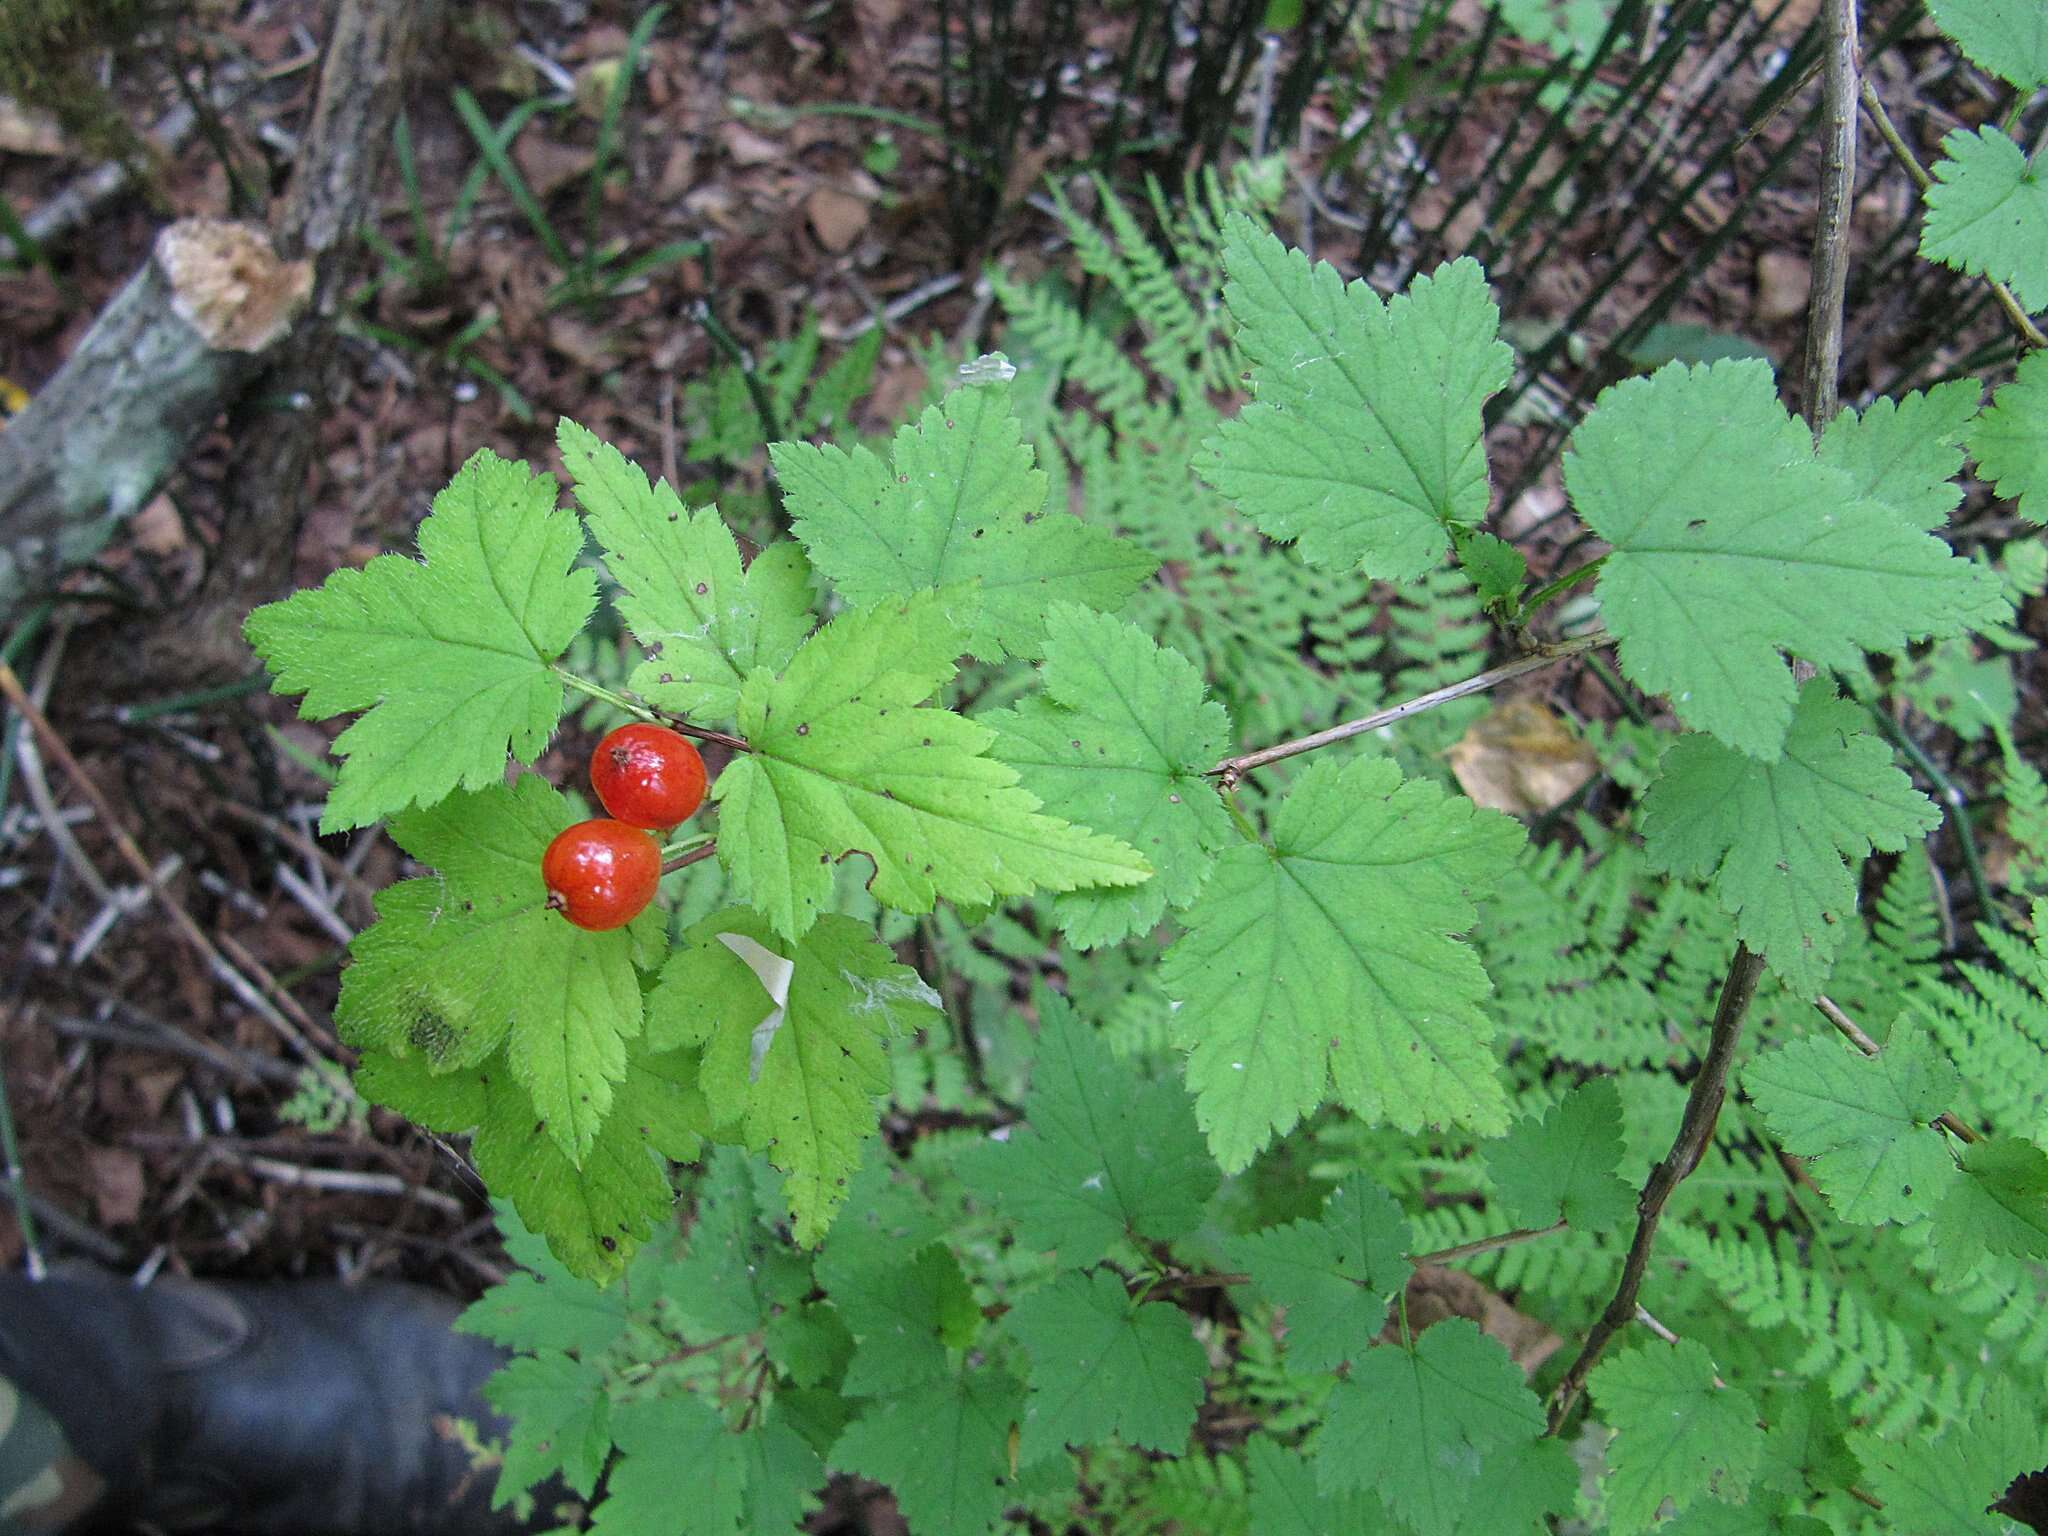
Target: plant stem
{"points": [[640, 711], [1480, 1245], [1853, 1032], [1562, 584], [17, 1188], [1888, 131], [757, 392], [1695, 1130], [684, 860], [1233, 769], [1839, 80], [1956, 811]]}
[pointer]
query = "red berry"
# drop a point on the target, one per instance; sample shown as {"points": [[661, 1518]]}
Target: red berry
{"points": [[647, 776], [601, 874]]}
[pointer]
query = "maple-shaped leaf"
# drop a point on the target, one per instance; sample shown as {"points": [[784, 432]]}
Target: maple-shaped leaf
{"points": [[960, 502], [942, 1448], [1332, 956], [847, 758], [1780, 839], [1762, 1515], [542, 1306], [705, 622], [907, 1309], [793, 1034], [783, 1477], [1365, 439], [450, 656], [2007, 37], [1904, 452], [561, 1422], [1732, 543], [1426, 1427], [1987, 213], [2010, 440], [1119, 742], [1677, 1434], [1867, 1122], [1334, 1275], [1524, 1486], [1286, 1502], [1102, 1367], [1945, 1486], [595, 1216], [680, 1472], [1561, 1164], [735, 1273], [430, 974], [1103, 1154], [1998, 1205]]}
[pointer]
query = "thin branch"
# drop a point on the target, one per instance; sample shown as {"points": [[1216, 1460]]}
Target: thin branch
{"points": [[1480, 1245], [1888, 131], [1233, 769], [685, 860], [1839, 79], [1854, 1034], [1695, 1130]]}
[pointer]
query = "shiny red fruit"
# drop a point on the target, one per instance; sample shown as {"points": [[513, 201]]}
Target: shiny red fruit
{"points": [[647, 776], [601, 874]]}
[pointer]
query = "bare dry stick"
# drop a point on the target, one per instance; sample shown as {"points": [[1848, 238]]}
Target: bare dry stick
{"points": [[1839, 79], [1853, 1033], [1233, 769], [1888, 131], [1695, 1129]]}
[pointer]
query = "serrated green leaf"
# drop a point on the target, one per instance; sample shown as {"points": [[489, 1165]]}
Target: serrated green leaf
{"points": [[905, 1310], [961, 503], [1365, 440], [1999, 1205], [1780, 839], [449, 656], [1496, 567], [561, 1422], [1331, 957], [942, 1449], [430, 974], [1424, 1428], [798, 1071], [1867, 1122], [1677, 1434], [1804, 1450], [1562, 1163], [735, 1273], [541, 1306], [1102, 1155], [809, 1344], [1944, 1487], [1522, 1487], [2007, 37], [1732, 544], [1120, 742], [845, 759], [1286, 1502], [783, 1476], [1903, 452], [595, 1216], [679, 1472], [1987, 214], [447, 1102], [1334, 1275], [1102, 1368], [2010, 440], [706, 623], [1759, 1517]]}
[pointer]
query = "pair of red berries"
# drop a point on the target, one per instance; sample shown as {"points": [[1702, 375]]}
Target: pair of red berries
{"points": [[602, 873]]}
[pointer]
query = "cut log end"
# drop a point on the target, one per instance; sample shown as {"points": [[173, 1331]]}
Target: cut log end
{"points": [[228, 283]]}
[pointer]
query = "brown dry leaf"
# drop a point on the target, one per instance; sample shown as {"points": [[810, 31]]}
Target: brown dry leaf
{"points": [[1521, 758], [837, 218], [594, 86], [1784, 281], [1435, 1293], [28, 130], [678, 172], [550, 165], [117, 1185], [1793, 18], [748, 147]]}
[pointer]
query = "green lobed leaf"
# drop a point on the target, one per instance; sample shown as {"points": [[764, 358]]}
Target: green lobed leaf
{"points": [[1867, 1122], [1903, 452], [783, 1477], [1987, 214], [2010, 440], [1331, 956], [1774, 836], [449, 657], [1677, 1434], [942, 1449], [561, 1422], [960, 503], [1102, 1367], [1334, 1275], [1427, 1428], [907, 1309], [736, 1273], [2007, 37], [706, 622], [1561, 1164], [1103, 1155], [1365, 442], [542, 1307], [1731, 543], [1286, 1502], [679, 1472], [1523, 1488], [1999, 1205], [430, 974], [845, 760], [796, 1071], [1943, 1487], [1119, 742]]}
